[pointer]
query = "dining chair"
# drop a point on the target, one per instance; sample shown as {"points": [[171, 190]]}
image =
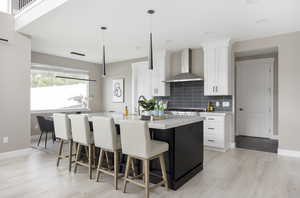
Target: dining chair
{"points": [[137, 144], [106, 138], [62, 126], [82, 135], [46, 126]]}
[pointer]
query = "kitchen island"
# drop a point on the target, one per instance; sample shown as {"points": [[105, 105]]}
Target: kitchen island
{"points": [[184, 134]]}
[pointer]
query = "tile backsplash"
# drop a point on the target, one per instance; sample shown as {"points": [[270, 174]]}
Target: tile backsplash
{"points": [[191, 95]]}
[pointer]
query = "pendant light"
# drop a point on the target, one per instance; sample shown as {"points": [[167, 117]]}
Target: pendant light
{"points": [[103, 51], [150, 58]]}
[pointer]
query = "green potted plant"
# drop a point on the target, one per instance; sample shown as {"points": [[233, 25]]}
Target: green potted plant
{"points": [[147, 105]]}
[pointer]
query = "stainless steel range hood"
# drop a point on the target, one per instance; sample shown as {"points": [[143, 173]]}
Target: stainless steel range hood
{"points": [[186, 69]]}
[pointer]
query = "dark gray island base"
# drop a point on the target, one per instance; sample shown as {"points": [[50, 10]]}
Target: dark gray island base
{"points": [[185, 156]]}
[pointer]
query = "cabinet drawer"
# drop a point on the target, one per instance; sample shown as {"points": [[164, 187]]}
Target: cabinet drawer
{"points": [[213, 141], [214, 119]]}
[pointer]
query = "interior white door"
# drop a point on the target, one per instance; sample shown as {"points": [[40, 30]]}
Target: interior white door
{"points": [[254, 97], [141, 83]]}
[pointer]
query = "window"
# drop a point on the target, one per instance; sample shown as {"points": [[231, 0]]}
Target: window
{"points": [[4, 6], [56, 90]]}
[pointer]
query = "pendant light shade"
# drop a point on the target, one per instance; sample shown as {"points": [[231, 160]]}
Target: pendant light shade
{"points": [[103, 52], [150, 58], [150, 61]]}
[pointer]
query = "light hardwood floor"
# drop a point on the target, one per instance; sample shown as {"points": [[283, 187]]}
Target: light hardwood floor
{"points": [[234, 174]]}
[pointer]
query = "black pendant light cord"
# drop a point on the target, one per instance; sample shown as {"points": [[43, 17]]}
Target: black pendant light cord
{"points": [[150, 58]]}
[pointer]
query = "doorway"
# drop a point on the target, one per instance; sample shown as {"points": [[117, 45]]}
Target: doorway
{"points": [[256, 102]]}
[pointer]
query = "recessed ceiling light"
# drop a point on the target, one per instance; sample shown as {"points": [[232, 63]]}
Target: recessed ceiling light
{"points": [[77, 53], [260, 21]]}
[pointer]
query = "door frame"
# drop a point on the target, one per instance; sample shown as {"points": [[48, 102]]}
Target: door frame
{"points": [[271, 61]]}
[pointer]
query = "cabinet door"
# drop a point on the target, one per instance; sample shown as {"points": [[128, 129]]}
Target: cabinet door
{"points": [[141, 83], [209, 71], [221, 82], [160, 73]]}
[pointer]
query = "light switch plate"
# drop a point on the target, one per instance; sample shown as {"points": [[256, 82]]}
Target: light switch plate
{"points": [[226, 104]]}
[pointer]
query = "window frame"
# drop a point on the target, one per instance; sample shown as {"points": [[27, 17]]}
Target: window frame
{"points": [[52, 68]]}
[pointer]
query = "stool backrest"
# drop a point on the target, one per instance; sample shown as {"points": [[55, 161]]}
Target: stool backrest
{"points": [[44, 124], [62, 126], [105, 134], [135, 137], [80, 129]]}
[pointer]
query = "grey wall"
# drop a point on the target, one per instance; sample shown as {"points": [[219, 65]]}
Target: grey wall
{"points": [[94, 71], [14, 90], [114, 71], [288, 84]]}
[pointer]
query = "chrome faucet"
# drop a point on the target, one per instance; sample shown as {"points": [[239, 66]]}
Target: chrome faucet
{"points": [[139, 106]]}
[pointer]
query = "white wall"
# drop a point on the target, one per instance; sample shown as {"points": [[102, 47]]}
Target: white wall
{"points": [[14, 90], [288, 84]]}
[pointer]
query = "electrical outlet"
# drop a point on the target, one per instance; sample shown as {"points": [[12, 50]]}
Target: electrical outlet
{"points": [[226, 104], [217, 104], [5, 140]]}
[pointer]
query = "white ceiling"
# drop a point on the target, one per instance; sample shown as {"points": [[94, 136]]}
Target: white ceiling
{"points": [[75, 26]]}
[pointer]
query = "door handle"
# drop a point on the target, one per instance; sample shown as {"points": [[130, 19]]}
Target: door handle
{"points": [[217, 89], [213, 89], [241, 109]]}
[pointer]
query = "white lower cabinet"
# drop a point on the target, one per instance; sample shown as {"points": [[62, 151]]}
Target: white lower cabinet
{"points": [[217, 130]]}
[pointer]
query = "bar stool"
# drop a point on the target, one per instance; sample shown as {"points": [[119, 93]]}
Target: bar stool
{"points": [[62, 128], [82, 135], [106, 138], [136, 143]]}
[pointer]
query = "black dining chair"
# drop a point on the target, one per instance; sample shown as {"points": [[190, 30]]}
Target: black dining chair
{"points": [[46, 126]]}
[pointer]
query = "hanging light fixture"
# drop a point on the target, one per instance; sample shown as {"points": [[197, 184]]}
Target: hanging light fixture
{"points": [[150, 58], [103, 51]]}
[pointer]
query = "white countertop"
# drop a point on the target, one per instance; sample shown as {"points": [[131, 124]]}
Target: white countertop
{"points": [[170, 122]]}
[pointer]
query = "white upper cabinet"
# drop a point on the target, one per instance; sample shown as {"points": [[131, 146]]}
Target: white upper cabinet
{"points": [[150, 83], [217, 69], [160, 73], [6, 29]]}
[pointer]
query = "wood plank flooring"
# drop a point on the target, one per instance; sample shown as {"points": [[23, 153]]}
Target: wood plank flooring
{"points": [[234, 174]]}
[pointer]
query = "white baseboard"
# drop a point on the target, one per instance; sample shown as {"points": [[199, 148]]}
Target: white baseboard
{"points": [[289, 153], [14, 153]]}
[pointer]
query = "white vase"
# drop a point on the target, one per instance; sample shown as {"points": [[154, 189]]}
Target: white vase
{"points": [[147, 113]]}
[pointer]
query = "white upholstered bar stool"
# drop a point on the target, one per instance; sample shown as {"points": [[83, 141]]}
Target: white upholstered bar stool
{"points": [[82, 135], [106, 138], [62, 128], [136, 143]]}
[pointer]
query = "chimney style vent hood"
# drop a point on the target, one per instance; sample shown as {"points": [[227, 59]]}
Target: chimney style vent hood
{"points": [[186, 69]]}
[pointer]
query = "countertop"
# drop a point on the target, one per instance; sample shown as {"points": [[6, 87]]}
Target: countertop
{"points": [[171, 121]]}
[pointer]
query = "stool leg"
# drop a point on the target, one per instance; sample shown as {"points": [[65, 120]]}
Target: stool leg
{"points": [[70, 154], [99, 165], [60, 151], [133, 168], [146, 168], [90, 161], [163, 170], [116, 168], [126, 173], [46, 139], [77, 156]]}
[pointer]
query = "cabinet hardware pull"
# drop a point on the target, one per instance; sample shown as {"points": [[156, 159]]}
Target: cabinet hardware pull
{"points": [[217, 89], [213, 89], [211, 128], [210, 118], [211, 140]]}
